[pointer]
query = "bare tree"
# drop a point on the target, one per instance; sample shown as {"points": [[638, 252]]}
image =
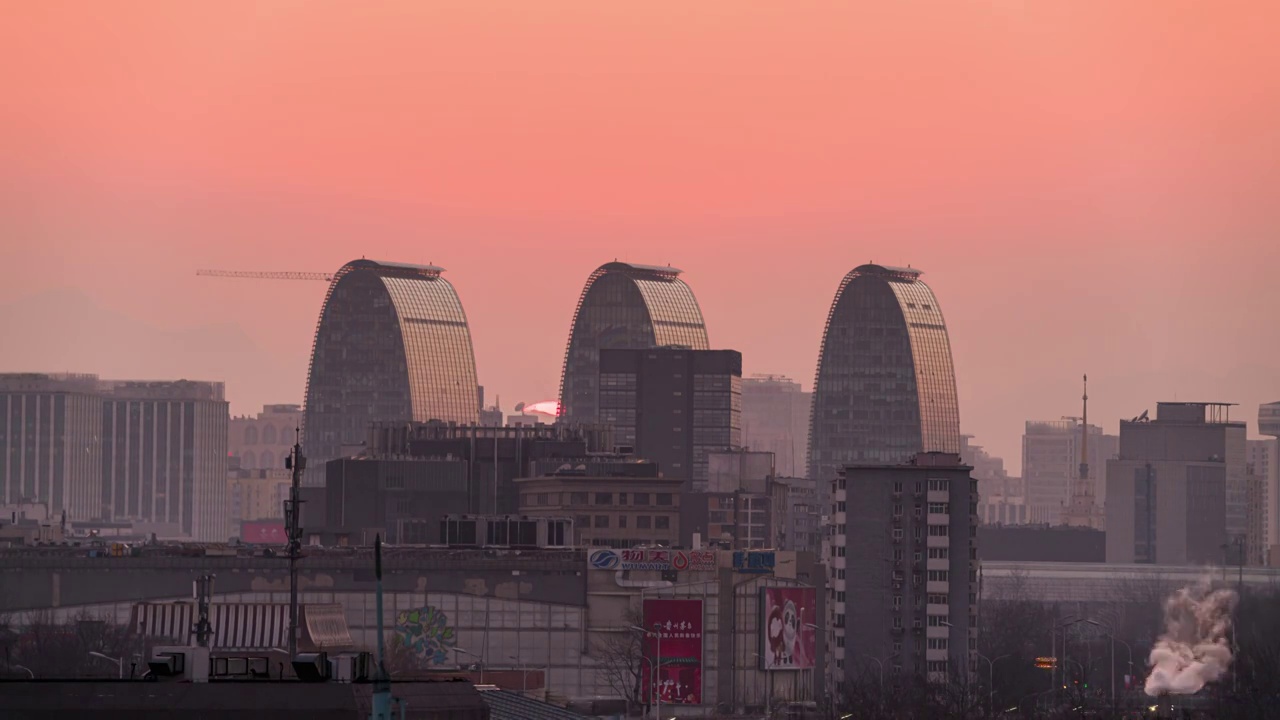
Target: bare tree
{"points": [[621, 657]]}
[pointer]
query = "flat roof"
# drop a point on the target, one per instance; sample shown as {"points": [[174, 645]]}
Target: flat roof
{"points": [[658, 269]]}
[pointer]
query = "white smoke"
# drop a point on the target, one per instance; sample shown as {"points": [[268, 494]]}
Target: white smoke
{"points": [[1193, 650]]}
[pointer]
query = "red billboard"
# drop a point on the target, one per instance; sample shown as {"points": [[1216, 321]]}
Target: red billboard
{"points": [[676, 644], [262, 532], [789, 641]]}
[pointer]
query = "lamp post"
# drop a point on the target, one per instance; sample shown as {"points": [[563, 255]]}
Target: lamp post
{"points": [[118, 661], [655, 666], [27, 669], [524, 674], [991, 679]]}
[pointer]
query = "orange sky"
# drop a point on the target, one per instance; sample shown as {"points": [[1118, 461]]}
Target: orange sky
{"points": [[1090, 185]]}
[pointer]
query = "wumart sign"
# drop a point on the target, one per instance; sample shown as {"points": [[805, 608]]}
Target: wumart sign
{"points": [[652, 560]]}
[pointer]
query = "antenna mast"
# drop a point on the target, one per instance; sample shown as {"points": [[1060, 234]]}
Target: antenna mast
{"points": [[1083, 510], [293, 528]]}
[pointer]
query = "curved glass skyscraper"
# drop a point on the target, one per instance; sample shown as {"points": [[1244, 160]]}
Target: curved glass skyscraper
{"points": [[624, 306], [885, 387], [392, 344]]}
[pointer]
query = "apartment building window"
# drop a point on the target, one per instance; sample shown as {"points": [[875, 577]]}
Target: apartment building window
{"points": [[917, 532], [939, 576], [582, 521], [973, 553], [839, 641], [602, 521], [936, 599], [897, 622], [937, 666], [897, 647], [578, 498], [661, 522], [915, 579], [897, 602], [622, 521], [840, 506], [916, 556], [939, 530], [640, 498], [917, 510], [897, 533], [622, 498], [897, 554], [604, 498], [938, 643], [939, 508], [897, 486], [838, 551], [839, 596], [897, 510], [939, 553], [543, 500], [939, 484], [939, 620], [663, 499], [642, 522]]}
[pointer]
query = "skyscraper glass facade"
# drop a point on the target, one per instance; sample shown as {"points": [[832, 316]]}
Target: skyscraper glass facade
{"points": [[392, 344], [885, 387], [624, 306]]}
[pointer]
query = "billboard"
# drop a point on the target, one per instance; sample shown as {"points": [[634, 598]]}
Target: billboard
{"points": [[787, 643], [262, 532], [641, 559], [678, 649]]}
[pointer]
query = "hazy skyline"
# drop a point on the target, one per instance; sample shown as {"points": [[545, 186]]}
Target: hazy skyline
{"points": [[1087, 188]]}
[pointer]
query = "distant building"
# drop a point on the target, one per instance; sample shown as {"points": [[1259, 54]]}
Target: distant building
{"points": [[674, 406], [885, 387], [1051, 463], [164, 455], [51, 442], [1178, 492], [742, 507], [903, 570], [775, 418], [802, 527], [492, 457], [624, 306], [404, 501], [392, 345], [616, 512], [1041, 543], [1265, 456], [264, 440], [256, 495]]}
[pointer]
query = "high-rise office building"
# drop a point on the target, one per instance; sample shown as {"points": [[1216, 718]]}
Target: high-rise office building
{"points": [[624, 306], [1177, 493], [903, 570], [392, 344], [885, 387], [775, 418], [51, 443], [1051, 463], [674, 406], [1264, 455], [149, 452], [164, 457]]}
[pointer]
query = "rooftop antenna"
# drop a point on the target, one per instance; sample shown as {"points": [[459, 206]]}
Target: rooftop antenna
{"points": [[202, 629], [381, 680], [1084, 434], [293, 529]]}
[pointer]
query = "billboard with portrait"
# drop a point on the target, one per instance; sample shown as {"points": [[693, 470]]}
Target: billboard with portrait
{"points": [[788, 642], [675, 641]]}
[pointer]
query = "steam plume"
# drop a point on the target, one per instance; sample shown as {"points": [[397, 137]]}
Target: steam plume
{"points": [[1193, 650]]}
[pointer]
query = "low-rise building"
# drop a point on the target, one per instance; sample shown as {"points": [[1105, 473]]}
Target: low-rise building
{"points": [[611, 511]]}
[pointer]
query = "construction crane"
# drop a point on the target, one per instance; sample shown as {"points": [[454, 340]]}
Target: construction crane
{"points": [[254, 275]]}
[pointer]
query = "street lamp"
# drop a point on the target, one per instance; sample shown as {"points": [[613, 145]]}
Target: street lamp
{"points": [[880, 667], [1111, 634], [21, 667], [118, 661], [654, 666], [468, 652], [991, 679], [524, 673]]}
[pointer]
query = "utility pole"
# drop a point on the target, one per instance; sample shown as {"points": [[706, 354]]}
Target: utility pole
{"points": [[202, 628], [293, 528]]}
